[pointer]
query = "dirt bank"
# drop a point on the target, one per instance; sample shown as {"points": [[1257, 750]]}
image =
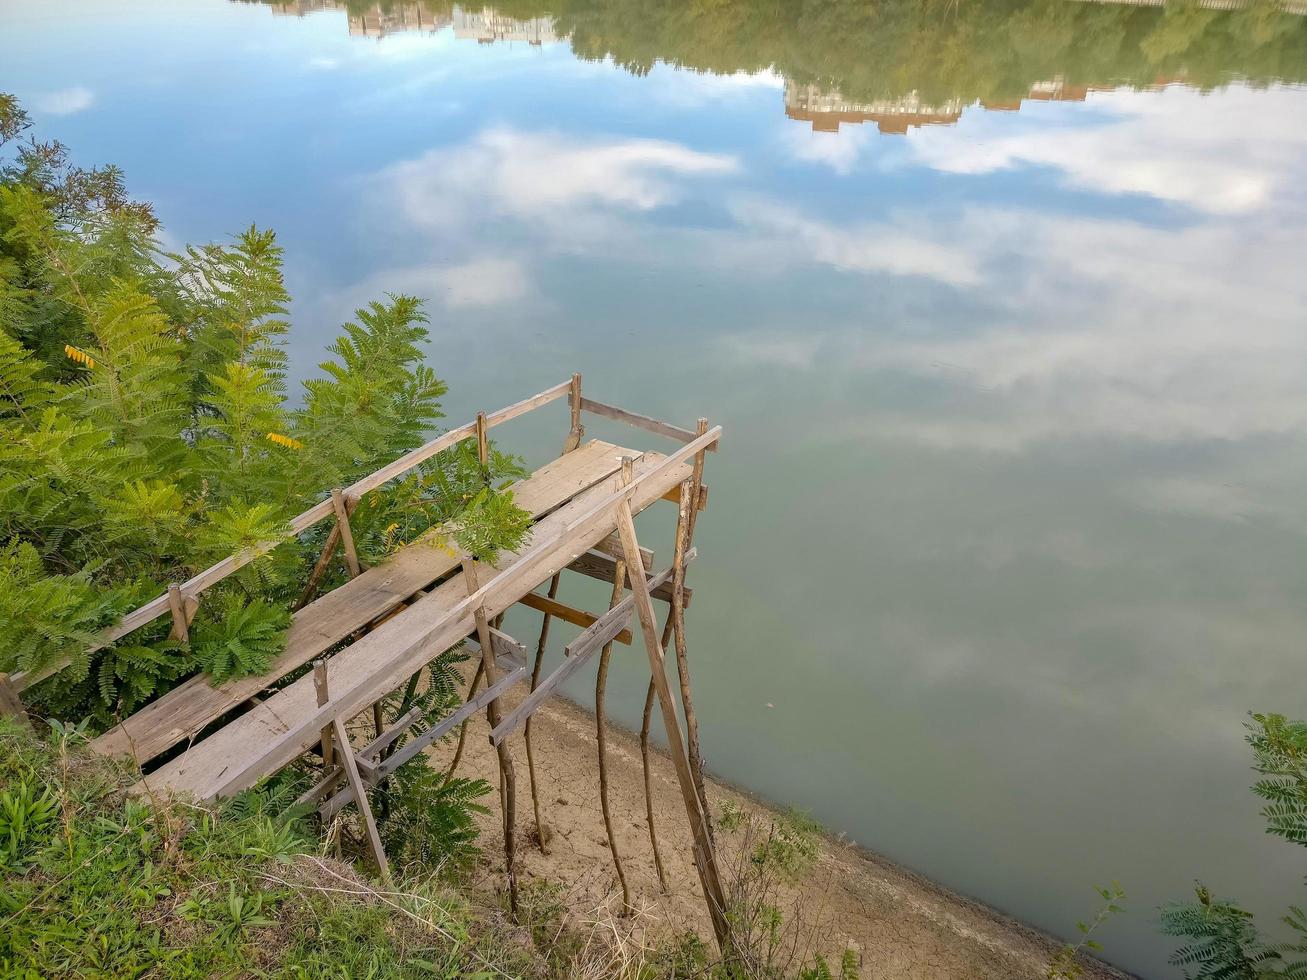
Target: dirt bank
{"points": [[901, 925]]}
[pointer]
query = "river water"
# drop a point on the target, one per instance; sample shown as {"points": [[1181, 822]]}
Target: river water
{"points": [[1001, 305]]}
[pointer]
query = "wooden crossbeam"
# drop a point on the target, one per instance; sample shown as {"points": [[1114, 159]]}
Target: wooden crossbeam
{"points": [[674, 496], [568, 614], [637, 420], [604, 568], [420, 742], [603, 630]]}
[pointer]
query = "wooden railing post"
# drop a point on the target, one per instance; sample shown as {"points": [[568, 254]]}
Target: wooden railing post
{"points": [[483, 443], [181, 615], [705, 856], [577, 432], [11, 704], [338, 504]]}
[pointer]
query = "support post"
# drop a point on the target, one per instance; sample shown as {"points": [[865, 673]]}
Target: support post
{"points": [[181, 616], [601, 722], [360, 796], [324, 559], [507, 777], [542, 831], [11, 704], [705, 857], [320, 689], [346, 536], [483, 442], [577, 432]]}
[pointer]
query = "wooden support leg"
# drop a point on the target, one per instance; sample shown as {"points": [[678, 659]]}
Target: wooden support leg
{"points": [[645, 719], [328, 755], [601, 737], [704, 853], [462, 729], [577, 432], [676, 619], [542, 831], [338, 504], [508, 779], [360, 797], [11, 704], [324, 559]]}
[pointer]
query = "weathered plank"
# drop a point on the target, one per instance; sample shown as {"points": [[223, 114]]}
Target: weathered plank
{"points": [[568, 614], [604, 568], [639, 421], [322, 624], [272, 734]]}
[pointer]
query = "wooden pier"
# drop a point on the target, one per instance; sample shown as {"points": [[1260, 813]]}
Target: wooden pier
{"points": [[368, 637]]}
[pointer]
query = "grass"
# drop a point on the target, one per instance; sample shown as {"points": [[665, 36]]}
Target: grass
{"points": [[98, 883]]}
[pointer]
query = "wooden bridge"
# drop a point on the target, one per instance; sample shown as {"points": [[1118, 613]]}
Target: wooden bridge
{"points": [[368, 637]]}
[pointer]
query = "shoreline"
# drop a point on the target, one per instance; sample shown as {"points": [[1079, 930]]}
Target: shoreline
{"points": [[899, 922]]}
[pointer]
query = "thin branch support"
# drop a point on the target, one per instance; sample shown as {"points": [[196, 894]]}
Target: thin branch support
{"points": [[704, 852], [542, 831], [508, 778]]}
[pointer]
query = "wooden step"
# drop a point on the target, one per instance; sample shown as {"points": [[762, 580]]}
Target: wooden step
{"points": [[186, 709]]}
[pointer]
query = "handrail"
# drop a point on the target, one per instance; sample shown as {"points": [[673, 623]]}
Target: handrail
{"points": [[193, 586]]}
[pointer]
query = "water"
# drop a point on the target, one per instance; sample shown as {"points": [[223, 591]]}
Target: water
{"points": [[1001, 306]]}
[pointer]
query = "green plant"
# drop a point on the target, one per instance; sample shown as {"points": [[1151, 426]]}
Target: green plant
{"points": [[1224, 942], [25, 813], [147, 431], [1066, 963]]}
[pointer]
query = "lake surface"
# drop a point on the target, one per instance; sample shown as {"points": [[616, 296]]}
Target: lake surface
{"points": [[1001, 306]]}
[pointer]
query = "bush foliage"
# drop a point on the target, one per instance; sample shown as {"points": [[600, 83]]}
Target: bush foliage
{"points": [[147, 430]]}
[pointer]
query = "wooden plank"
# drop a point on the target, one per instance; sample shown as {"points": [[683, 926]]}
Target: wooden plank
{"points": [[433, 734], [156, 607], [596, 565], [674, 496], [639, 421], [271, 735], [568, 614], [360, 796], [187, 708]]}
